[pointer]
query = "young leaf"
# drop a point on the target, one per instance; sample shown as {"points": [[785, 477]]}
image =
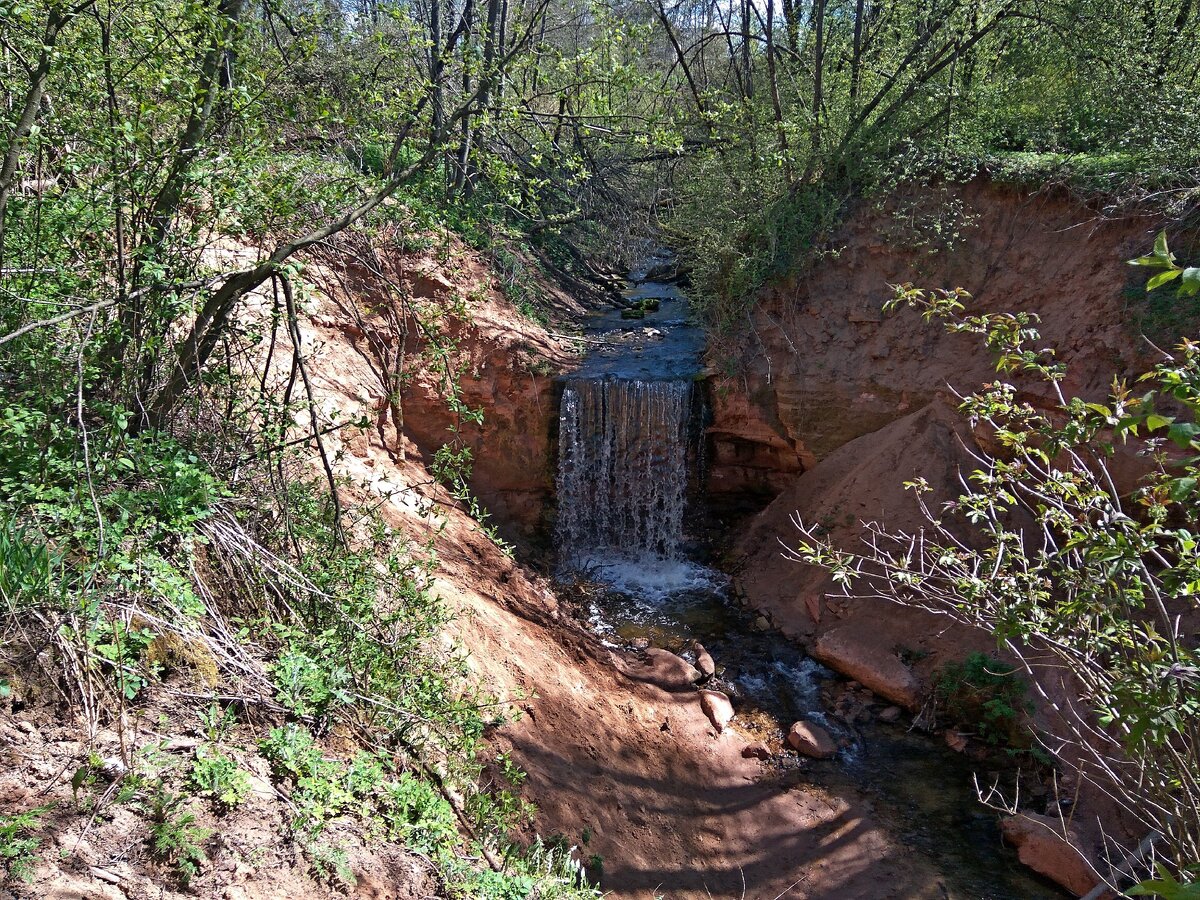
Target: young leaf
{"points": [[1191, 281], [1162, 278]]}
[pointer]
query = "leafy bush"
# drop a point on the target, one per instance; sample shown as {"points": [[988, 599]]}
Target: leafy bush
{"points": [[216, 776]]}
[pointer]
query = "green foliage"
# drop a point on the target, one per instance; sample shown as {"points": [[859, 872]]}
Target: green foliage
{"points": [[18, 847], [544, 870], [29, 572], [216, 776], [175, 838], [331, 864], [1163, 260], [1166, 886], [416, 813], [986, 696], [408, 808], [733, 250]]}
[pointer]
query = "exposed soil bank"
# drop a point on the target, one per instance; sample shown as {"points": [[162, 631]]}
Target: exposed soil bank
{"points": [[823, 365], [840, 405]]}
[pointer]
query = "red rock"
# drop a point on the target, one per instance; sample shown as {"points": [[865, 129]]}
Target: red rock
{"points": [[757, 750], [870, 661], [811, 740], [1042, 846], [955, 740], [704, 662], [661, 668], [717, 707]]}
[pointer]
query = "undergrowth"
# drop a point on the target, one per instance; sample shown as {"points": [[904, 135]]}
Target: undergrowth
{"points": [[135, 563], [988, 698]]}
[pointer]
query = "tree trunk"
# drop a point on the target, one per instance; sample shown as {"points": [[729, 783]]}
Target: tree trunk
{"points": [[747, 76], [856, 54], [166, 202], [464, 140], [58, 17], [776, 105], [485, 95], [818, 75]]}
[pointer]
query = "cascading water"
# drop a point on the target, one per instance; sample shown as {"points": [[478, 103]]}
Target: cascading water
{"points": [[625, 460], [623, 469]]}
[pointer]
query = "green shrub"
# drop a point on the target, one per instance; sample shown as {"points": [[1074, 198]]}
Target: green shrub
{"points": [[986, 696], [216, 776], [175, 838]]}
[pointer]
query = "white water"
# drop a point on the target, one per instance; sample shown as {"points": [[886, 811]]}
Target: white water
{"points": [[622, 480]]}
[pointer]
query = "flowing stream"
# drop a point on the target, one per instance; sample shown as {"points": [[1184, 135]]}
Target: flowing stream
{"points": [[629, 514]]}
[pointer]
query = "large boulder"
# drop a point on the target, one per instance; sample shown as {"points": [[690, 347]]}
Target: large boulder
{"points": [[869, 660], [1046, 847]]}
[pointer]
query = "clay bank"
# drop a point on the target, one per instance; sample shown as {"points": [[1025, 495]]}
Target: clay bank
{"points": [[772, 741]]}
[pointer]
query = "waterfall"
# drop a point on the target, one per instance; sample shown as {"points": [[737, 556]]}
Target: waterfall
{"points": [[623, 468]]}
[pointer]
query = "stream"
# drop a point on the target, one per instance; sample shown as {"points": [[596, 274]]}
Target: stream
{"points": [[629, 515]]}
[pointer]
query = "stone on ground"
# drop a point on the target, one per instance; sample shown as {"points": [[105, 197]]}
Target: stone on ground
{"points": [[1042, 845], [812, 740], [704, 662], [717, 707]]}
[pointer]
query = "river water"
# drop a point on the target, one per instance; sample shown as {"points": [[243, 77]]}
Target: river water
{"points": [[630, 511]]}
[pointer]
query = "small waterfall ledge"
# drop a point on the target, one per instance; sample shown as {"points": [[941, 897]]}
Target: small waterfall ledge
{"points": [[623, 469]]}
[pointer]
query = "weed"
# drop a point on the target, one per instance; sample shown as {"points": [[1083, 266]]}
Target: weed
{"points": [[985, 695], [216, 776], [331, 864], [17, 846], [175, 838], [122, 648], [216, 722]]}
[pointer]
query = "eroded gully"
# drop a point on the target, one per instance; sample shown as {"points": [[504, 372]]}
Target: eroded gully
{"points": [[631, 552]]}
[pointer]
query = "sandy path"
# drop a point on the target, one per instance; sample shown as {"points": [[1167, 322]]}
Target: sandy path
{"points": [[673, 808]]}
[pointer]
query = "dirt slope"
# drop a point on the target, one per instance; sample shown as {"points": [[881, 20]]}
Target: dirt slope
{"points": [[823, 365]]}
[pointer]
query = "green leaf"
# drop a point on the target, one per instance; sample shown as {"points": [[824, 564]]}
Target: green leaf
{"points": [[1191, 281], [1182, 488], [1167, 887], [1155, 262], [1160, 245], [78, 779], [1183, 433], [1155, 422], [1161, 258], [1162, 278]]}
